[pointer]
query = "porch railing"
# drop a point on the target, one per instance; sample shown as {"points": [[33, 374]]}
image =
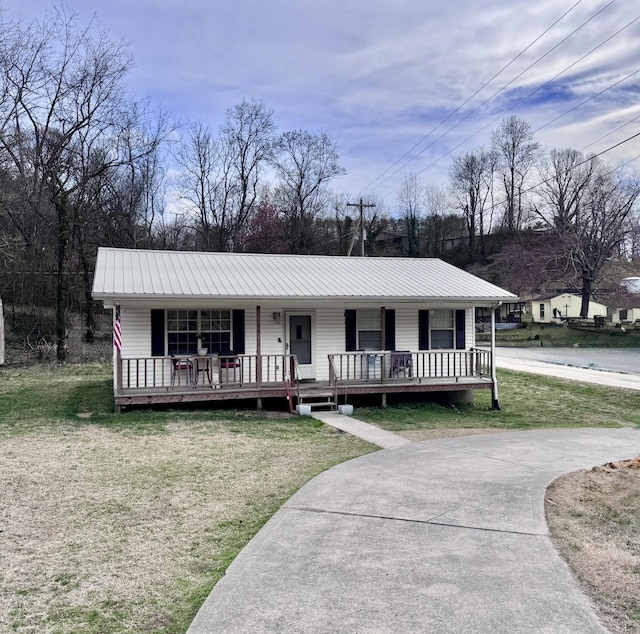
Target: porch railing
{"points": [[215, 371], [383, 367]]}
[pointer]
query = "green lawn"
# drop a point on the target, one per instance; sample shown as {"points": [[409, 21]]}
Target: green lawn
{"points": [[527, 401], [562, 336], [124, 523]]}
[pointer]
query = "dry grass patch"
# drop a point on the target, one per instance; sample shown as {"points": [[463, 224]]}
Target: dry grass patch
{"points": [[594, 517], [418, 435], [106, 530]]}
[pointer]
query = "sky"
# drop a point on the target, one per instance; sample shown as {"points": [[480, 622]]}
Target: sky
{"points": [[403, 85]]}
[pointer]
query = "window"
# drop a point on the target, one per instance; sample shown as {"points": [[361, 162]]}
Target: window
{"points": [[541, 311], [183, 327], [442, 329], [369, 329]]}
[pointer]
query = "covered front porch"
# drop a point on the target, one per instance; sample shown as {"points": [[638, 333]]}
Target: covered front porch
{"points": [[144, 381]]}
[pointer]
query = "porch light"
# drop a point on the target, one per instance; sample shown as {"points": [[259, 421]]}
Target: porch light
{"points": [[276, 317]]}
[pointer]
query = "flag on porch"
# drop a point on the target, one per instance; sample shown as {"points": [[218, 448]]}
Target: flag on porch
{"points": [[117, 330]]}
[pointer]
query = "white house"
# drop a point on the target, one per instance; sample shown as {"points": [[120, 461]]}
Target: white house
{"points": [[284, 325], [553, 308], [624, 316]]}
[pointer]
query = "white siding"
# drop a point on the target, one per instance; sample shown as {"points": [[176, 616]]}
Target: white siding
{"points": [[330, 338], [136, 344], [328, 334], [568, 304], [136, 331], [407, 328], [632, 315]]}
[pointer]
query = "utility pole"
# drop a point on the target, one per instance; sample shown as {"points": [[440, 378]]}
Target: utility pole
{"points": [[361, 205]]}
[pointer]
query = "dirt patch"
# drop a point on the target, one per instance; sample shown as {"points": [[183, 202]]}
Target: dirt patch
{"points": [[594, 518]]}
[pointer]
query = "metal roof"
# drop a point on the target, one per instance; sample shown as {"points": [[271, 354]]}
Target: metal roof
{"points": [[146, 274]]}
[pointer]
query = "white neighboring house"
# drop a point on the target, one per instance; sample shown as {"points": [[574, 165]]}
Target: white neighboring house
{"points": [[280, 325], [625, 315], [631, 312], [553, 308]]}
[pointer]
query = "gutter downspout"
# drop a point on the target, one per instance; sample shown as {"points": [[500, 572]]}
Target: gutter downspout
{"points": [[494, 390]]}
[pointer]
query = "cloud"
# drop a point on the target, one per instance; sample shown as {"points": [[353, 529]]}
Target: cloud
{"points": [[382, 77]]}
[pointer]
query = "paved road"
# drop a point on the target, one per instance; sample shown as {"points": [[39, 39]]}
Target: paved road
{"points": [[442, 536], [613, 368], [612, 359]]}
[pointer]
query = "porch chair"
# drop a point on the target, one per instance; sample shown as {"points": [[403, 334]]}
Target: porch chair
{"points": [[230, 367], [181, 366]]}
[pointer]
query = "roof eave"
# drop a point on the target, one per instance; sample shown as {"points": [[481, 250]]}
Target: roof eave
{"points": [[112, 297]]}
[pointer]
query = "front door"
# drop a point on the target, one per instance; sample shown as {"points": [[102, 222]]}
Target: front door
{"points": [[300, 343]]}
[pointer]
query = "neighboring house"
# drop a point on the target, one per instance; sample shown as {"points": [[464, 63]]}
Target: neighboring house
{"points": [[631, 312], [553, 308], [624, 315], [507, 317], [286, 325]]}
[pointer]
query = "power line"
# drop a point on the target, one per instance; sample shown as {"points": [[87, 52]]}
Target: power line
{"points": [[589, 158], [620, 81], [361, 206], [531, 95], [466, 101], [604, 136], [502, 89]]}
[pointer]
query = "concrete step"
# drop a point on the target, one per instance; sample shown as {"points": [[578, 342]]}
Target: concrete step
{"points": [[312, 394], [316, 404]]}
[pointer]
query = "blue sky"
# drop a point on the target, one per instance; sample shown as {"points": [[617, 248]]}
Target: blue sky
{"points": [[379, 76]]}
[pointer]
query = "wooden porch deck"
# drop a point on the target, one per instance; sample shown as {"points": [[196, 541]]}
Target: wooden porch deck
{"points": [[205, 393], [147, 382]]}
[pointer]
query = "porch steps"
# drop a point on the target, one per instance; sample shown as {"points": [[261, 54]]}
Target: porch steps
{"points": [[316, 399]]}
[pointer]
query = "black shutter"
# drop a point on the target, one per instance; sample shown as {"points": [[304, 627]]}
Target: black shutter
{"points": [[389, 329], [237, 317], [423, 329], [157, 332], [350, 334], [460, 319]]}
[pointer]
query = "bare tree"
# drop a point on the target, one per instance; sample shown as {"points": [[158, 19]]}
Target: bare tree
{"points": [[63, 115], [517, 152], [246, 145], [411, 206], [472, 175], [437, 206], [201, 183], [304, 163], [220, 176], [589, 206], [566, 176]]}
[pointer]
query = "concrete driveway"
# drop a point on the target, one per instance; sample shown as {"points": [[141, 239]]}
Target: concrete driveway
{"points": [[441, 536]]}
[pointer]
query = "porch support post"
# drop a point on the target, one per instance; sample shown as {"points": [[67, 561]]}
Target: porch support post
{"points": [[118, 371], [258, 349], [494, 380], [118, 378]]}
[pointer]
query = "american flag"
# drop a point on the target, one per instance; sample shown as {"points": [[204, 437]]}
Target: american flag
{"points": [[117, 330]]}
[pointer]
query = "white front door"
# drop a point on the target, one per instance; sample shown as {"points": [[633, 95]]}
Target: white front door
{"points": [[300, 342]]}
